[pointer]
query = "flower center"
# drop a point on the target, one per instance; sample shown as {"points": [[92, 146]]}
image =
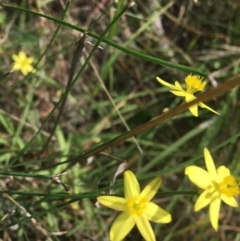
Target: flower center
{"points": [[24, 62], [136, 205], [194, 83], [229, 186]]}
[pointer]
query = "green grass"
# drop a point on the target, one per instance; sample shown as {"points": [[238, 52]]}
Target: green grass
{"points": [[113, 114]]}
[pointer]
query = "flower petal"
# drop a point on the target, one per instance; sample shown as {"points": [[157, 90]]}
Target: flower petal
{"points": [[15, 58], [167, 84], [231, 201], [145, 229], [178, 85], [207, 107], [193, 108], [151, 189], [116, 203], [210, 164], [190, 97], [198, 176], [156, 214], [22, 55], [214, 212], [203, 200], [222, 172], [26, 69], [178, 93], [122, 226], [16, 66], [131, 185], [30, 60]]}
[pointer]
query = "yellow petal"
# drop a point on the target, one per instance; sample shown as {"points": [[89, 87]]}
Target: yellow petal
{"points": [[131, 185], [26, 69], [178, 85], [193, 108], [198, 176], [178, 93], [190, 97], [15, 58], [210, 164], [207, 107], [145, 229], [167, 84], [16, 66], [151, 189], [30, 60], [22, 55], [222, 172], [231, 201], [156, 214], [116, 203], [122, 226], [214, 212], [203, 200]]}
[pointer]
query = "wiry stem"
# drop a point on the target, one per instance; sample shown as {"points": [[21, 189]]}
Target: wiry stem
{"points": [[77, 56]]}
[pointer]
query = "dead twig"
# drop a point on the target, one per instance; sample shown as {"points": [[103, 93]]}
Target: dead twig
{"points": [[76, 57]]}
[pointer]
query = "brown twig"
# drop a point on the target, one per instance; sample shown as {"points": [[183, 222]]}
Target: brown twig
{"points": [[77, 56], [208, 95]]}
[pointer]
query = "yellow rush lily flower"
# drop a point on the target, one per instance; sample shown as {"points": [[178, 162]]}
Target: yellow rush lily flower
{"points": [[23, 63], [194, 84], [136, 207], [218, 185]]}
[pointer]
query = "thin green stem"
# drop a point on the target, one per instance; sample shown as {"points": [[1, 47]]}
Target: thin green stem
{"points": [[117, 46]]}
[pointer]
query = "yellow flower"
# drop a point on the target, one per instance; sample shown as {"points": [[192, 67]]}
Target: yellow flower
{"points": [[23, 63], [218, 185], [136, 207], [194, 84]]}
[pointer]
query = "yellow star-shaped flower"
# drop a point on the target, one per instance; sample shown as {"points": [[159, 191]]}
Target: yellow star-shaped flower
{"points": [[218, 185], [136, 207], [194, 84], [23, 63]]}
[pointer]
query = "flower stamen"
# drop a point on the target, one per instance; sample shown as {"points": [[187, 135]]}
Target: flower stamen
{"points": [[229, 186], [194, 83], [136, 205]]}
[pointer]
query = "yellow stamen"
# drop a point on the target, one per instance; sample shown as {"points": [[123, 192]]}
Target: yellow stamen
{"points": [[194, 83], [24, 62], [136, 205], [229, 186]]}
